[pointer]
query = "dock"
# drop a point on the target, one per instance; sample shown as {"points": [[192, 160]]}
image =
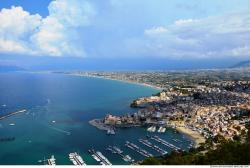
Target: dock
{"points": [[76, 159], [119, 152], [99, 157], [154, 147], [13, 113], [163, 142], [138, 149], [51, 161]]}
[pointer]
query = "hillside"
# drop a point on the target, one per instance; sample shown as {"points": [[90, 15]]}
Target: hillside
{"points": [[243, 64]]}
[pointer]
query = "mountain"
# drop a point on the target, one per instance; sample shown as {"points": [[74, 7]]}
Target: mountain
{"points": [[243, 64]]}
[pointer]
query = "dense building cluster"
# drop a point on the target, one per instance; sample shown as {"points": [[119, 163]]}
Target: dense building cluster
{"points": [[209, 102]]}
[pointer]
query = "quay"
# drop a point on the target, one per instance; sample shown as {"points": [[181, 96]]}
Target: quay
{"points": [[138, 149], [76, 159], [13, 113], [163, 142], [150, 145], [98, 156]]}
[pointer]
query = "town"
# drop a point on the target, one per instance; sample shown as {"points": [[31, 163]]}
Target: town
{"points": [[188, 101]]}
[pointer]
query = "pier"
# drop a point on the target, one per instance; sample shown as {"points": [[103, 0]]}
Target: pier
{"points": [[150, 145], [98, 156], [13, 113], [138, 149], [51, 161], [76, 159], [118, 151], [163, 142]]}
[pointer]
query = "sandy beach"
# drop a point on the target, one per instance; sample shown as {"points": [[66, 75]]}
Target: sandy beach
{"points": [[125, 81], [193, 134]]}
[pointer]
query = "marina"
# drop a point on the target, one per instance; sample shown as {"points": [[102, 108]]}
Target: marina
{"points": [[155, 147], [139, 150], [76, 159], [163, 142]]}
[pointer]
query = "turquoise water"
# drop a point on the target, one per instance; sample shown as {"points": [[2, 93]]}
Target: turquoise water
{"points": [[71, 101]]}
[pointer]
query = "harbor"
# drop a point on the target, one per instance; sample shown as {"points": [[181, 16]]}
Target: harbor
{"points": [[47, 129], [149, 142]]}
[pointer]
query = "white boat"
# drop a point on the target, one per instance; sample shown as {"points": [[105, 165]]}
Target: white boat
{"points": [[96, 158], [154, 129], [52, 161], [76, 159]]}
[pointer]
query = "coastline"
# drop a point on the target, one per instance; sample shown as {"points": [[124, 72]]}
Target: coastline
{"points": [[124, 81], [197, 138]]}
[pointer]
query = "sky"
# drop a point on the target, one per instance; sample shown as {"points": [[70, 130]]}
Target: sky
{"points": [[154, 34]]}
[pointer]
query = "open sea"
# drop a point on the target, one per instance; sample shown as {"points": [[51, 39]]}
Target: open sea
{"points": [[69, 101]]}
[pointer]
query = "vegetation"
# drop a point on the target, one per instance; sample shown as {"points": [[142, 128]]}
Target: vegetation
{"points": [[235, 152]]}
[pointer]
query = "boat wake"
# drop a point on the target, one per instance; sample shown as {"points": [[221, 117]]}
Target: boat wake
{"points": [[61, 130]]}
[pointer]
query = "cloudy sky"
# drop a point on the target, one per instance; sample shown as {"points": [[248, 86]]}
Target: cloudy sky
{"points": [[125, 29]]}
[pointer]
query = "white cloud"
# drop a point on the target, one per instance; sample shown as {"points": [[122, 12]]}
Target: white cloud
{"points": [[184, 21], [55, 35], [155, 30], [212, 37]]}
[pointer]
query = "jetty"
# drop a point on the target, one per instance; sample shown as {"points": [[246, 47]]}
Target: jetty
{"points": [[118, 151], [13, 113], [76, 159], [138, 149], [51, 161], [163, 142], [99, 157], [154, 147]]}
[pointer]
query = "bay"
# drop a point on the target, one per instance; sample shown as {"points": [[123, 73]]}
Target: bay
{"points": [[58, 110]]}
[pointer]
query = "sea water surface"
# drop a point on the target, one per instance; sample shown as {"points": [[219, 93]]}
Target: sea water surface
{"points": [[58, 110]]}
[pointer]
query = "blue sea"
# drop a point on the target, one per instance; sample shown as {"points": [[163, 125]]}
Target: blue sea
{"points": [[58, 110]]}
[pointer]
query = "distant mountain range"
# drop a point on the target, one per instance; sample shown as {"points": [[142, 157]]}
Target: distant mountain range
{"points": [[9, 68], [243, 64]]}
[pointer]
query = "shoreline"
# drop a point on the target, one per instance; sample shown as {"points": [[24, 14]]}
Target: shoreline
{"points": [[119, 80], [195, 136]]}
